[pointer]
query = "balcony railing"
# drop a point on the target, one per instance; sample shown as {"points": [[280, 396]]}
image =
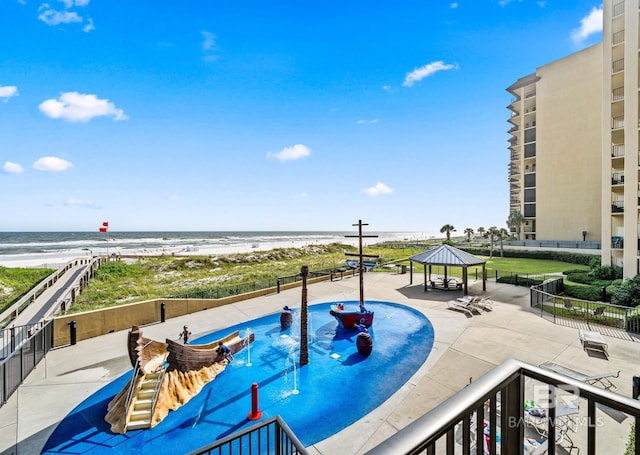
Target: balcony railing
{"points": [[617, 178], [489, 413], [617, 150], [617, 66], [617, 207], [531, 108], [618, 9], [617, 94], [617, 123], [617, 242], [617, 37]]}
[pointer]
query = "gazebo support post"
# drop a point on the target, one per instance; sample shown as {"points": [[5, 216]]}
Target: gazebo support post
{"points": [[425, 278], [464, 280], [410, 272], [484, 277]]}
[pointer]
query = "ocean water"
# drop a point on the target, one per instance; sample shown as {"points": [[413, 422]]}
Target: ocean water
{"points": [[50, 249]]}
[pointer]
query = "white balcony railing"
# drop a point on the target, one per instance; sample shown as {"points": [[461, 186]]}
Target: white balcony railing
{"points": [[617, 150], [617, 94], [617, 65], [617, 37], [617, 123]]}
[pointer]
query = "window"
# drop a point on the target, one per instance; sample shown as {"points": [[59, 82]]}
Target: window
{"points": [[529, 180], [530, 150], [529, 210], [529, 135], [530, 195]]}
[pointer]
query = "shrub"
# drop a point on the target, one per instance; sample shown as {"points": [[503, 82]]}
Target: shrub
{"points": [[591, 293], [628, 293], [522, 281], [606, 272]]}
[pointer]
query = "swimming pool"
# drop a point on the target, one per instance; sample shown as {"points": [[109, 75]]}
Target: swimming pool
{"points": [[336, 388]]}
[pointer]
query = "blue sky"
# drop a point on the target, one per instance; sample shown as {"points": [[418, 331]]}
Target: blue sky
{"points": [[211, 115]]}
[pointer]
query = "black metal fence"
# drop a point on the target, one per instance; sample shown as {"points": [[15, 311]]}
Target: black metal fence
{"points": [[272, 436], [252, 286], [23, 348], [612, 320]]}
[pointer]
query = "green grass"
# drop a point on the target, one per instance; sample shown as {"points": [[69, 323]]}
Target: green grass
{"points": [[521, 266], [16, 282], [123, 282], [118, 283]]}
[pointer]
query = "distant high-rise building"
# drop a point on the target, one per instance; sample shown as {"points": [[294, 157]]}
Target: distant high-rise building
{"points": [[555, 146], [575, 143]]}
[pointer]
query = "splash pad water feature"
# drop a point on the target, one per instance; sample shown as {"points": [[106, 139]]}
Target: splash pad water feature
{"points": [[337, 387]]}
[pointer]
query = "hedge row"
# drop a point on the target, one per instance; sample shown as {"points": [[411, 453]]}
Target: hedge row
{"points": [[522, 281]]}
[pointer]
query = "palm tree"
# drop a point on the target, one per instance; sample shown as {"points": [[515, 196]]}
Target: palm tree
{"points": [[447, 229], [481, 231], [515, 220], [468, 232], [492, 233], [502, 234]]}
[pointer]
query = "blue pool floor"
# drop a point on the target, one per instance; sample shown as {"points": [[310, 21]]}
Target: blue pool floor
{"points": [[336, 388]]}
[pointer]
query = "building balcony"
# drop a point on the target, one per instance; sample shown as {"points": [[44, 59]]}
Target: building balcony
{"points": [[617, 150], [617, 94], [617, 9], [617, 66], [530, 94], [617, 207], [488, 416], [617, 242], [617, 37], [617, 123], [617, 178]]}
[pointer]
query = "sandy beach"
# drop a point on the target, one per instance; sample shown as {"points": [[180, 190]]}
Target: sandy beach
{"points": [[58, 257]]}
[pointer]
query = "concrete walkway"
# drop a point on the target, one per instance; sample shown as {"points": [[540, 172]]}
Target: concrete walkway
{"points": [[464, 349]]}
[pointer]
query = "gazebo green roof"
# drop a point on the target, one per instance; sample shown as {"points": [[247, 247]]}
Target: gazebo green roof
{"points": [[447, 255]]}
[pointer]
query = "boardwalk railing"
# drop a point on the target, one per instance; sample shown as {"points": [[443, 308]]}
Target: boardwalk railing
{"points": [[273, 436], [30, 345]]}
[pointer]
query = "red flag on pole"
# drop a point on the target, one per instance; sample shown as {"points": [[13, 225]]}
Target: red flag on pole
{"points": [[105, 223], [103, 229]]}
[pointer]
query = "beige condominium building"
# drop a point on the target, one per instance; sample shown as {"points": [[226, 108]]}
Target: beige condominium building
{"points": [[574, 145]]}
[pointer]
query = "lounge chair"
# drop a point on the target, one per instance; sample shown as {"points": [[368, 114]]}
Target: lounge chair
{"points": [[593, 341], [460, 306], [536, 447], [598, 312], [568, 305], [598, 379]]}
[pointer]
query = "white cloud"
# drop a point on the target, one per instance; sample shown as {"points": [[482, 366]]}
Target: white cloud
{"points": [[82, 2], [424, 71], [52, 164], [12, 168], [377, 190], [291, 153], [89, 27], [52, 17], [209, 40], [590, 24], [363, 122], [454, 5], [78, 107], [8, 91], [173, 197], [81, 203], [209, 46], [302, 195]]}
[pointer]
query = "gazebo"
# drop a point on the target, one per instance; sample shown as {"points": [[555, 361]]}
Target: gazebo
{"points": [[448, 256]]}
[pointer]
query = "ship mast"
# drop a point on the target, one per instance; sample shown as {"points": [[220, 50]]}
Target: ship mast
{"points": [[360, 255]]}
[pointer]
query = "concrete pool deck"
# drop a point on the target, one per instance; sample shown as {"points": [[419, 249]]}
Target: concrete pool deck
{"points": [[465, 348]]}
